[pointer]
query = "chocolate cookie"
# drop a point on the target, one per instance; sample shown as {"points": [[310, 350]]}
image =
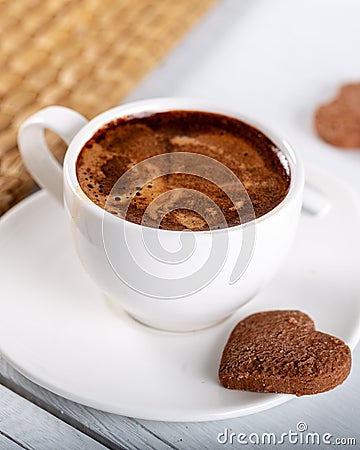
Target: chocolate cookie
{"points": [[280, 351], [338, 122]]}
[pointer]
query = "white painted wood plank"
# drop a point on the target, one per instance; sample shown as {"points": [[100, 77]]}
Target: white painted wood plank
{"points": [[7, 444], [336, 412], [33, 428], [111, 430]]}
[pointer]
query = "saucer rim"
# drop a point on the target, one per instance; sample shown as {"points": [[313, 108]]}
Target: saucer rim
{"points": [[154, 413]]}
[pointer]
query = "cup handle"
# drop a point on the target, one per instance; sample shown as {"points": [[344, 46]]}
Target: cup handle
{"points": [[37, 157]]}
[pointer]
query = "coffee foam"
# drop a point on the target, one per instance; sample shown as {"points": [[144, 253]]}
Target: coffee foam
{"points": [[123, 144]]}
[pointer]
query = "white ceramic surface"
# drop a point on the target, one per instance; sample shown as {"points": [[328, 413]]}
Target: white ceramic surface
{"points": [[58, 330], [115, 252]]}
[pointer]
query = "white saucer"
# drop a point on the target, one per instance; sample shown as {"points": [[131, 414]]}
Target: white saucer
{"points": [[59, 331]]}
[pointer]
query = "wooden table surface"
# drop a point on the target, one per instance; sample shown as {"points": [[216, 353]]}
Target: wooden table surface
{"points": [[34, 418]]}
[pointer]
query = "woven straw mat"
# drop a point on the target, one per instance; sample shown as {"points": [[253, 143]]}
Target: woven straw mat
{"points": [[84, 54]]}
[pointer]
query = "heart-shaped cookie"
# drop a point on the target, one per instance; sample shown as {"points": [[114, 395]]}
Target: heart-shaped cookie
{"points": [[281, 351], [338, 122]]}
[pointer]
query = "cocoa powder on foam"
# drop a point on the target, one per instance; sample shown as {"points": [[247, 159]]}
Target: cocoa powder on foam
{"points": [[122, 144]]}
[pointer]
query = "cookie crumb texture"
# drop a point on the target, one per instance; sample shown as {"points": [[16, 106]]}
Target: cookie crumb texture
{"points": [[338, 122], [281, 351]]}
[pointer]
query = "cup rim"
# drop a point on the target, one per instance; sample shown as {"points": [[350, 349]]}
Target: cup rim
{"points": [[164, 104]]}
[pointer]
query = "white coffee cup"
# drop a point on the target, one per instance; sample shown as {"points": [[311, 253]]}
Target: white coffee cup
{"points": [[220, 271]]}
